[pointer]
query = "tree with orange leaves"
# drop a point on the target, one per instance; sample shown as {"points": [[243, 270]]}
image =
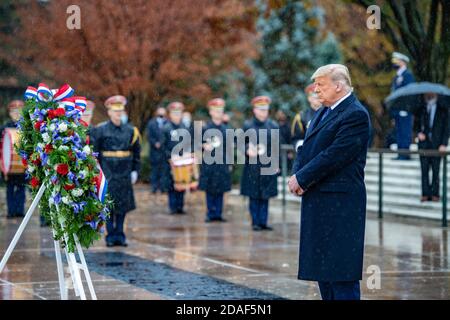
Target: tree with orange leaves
{"points": [[150, 51]]}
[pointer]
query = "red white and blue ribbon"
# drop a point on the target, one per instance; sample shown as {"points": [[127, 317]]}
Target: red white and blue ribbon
{"points": [[44, 93], [30, 93], [67, 103], [64, 92], [102, 185], [80, 103]]}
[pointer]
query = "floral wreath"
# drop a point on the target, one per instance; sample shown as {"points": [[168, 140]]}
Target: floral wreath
{"points": [[54, 147]]}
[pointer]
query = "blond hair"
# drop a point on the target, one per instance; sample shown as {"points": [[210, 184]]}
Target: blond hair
{"points": [[337, 72]]}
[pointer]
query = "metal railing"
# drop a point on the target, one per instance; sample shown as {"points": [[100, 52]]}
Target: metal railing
{"points": [[285, 148]]}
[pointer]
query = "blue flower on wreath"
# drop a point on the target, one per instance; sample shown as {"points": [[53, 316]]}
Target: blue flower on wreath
{"points": [[78, 207], [93, 224]]}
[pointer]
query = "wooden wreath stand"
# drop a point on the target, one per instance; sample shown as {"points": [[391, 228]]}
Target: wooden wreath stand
{"points": [[74, 266]]}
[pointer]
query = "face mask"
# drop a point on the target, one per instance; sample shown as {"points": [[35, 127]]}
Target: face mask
{"points": [[186, 122], [124, 118]]}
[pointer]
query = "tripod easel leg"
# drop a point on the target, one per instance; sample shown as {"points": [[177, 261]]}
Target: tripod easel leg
{"points": [[22, 226], [59, 265]]}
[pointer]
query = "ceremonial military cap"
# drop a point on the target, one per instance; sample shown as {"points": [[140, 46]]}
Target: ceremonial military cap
{"points": [[216, 104], [400, 56], [116, 103], [15, 104], [90, 106], [309, 89], [261, 102], [175, 107]]}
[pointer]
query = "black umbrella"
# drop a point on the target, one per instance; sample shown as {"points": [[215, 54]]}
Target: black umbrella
{"points": [[409, 97]]}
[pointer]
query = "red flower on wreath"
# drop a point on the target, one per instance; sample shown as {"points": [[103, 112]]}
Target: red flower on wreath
{"points": [[37, 125], [62, 169], [35, 182], [60, 112], [69, 187], [24, 162], [71, 156], [48, 148], [37, 161]]}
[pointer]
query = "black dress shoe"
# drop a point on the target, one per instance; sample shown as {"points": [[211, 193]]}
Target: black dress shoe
{"points": [[221, 219], [181, 211], [110, 244], [257, 228], [267, 228]]}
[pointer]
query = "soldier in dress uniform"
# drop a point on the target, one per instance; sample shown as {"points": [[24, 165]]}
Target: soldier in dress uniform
{"points": [[119, 149], [154, 134], [258, 187], [15, 183], [173, 130], [403, 118], [215, 178]]}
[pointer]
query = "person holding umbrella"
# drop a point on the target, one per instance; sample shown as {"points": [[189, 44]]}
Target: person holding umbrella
{"points": [[403, 119], [432, 125]]}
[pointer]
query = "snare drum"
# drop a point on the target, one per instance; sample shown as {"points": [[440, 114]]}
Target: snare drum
{"points": [[10, 161], [185, 173]]}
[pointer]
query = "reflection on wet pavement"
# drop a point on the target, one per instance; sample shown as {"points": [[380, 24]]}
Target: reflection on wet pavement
{"points": [[181, 257]]}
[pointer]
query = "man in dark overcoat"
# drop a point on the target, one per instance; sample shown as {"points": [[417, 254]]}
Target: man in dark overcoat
{"points": [[329, 175], [255, 183], [154, 136], [215, 174], [119, 148]]}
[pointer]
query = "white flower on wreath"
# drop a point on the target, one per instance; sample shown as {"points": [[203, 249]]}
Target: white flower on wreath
{"points": [[65, 200], [52, 127], [77, 192], [83, 174], [62, 127], [46, 137], [63, 148], [30, 168], [41, 145], [87, 150]]}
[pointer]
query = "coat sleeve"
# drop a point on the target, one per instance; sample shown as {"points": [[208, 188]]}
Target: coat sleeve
{"points": [[136, 150], [351, 139], [418, 121], [445, 130], [152, 135]]}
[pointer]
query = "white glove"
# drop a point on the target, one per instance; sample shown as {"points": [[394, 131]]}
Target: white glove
{"points": [[134, 176]]}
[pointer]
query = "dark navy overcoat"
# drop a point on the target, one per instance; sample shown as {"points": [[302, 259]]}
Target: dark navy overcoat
{"points": [[330, 167], [215, 177]]}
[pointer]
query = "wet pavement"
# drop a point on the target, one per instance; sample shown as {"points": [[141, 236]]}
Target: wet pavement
{"points": [[182, 257]]}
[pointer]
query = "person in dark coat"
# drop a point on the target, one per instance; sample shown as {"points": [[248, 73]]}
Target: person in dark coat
{"points": [[15, 182], [329, 174], [154, 134], [432, 126], [403, 118], [255, 185], [173, 130], [215, 174], [119, 148]]}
